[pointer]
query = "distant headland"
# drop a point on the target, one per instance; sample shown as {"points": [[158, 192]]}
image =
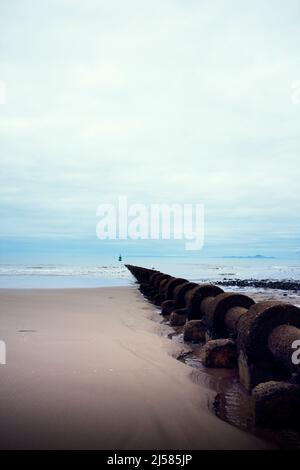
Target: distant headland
{"points": [[250, 257]]}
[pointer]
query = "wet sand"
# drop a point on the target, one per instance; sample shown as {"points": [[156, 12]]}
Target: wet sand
{"points": [[88, 369]]}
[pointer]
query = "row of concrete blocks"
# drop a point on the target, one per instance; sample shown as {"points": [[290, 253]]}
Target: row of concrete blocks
{"points": [[258, 338]]}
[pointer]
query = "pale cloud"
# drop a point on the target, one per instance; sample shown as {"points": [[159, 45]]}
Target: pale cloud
{"points": [[165, 101]]}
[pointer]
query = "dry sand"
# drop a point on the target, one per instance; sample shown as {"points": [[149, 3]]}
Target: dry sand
{"points": [[95, 374]]}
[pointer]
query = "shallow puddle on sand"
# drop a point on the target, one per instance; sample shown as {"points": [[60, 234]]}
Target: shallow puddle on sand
{"points": [[26, 331]]}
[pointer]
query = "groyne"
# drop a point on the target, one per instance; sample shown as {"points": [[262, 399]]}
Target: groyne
{"points": [[260, 339]]}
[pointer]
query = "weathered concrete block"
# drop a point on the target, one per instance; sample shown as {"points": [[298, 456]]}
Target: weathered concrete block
{"points": [[220, 353], [194, 330], [158, 299], [153, 277], [256, 361], [171, 286], [276, 404], [194, 297], [215, 313], [167, 307], [163, 285], [180, 293], [255, 373], [178, 317], [152, 293], [145, 288]]}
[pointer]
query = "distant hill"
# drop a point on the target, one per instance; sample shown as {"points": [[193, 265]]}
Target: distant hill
{"points": [[250, 257]]}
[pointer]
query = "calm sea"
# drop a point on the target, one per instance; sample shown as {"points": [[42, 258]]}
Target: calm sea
{"points": [[114, 273]]}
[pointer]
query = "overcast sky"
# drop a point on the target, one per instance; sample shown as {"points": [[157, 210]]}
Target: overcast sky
{"points": [[162, 101]]}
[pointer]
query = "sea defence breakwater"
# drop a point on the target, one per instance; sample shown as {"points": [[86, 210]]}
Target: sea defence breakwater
{"points": [[260, 339]]}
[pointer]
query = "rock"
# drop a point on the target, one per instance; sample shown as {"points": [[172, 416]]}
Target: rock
{"points": [[220, 353], [194, 330], [178, 317], [264, 283]]}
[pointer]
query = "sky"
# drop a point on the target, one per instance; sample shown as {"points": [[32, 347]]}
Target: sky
{"points": [[169, 101]]}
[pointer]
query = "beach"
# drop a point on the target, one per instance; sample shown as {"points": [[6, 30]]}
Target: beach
{"points": [[90, 369]]}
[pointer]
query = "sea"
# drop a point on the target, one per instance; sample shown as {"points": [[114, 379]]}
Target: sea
{"points": [[114, 273]]}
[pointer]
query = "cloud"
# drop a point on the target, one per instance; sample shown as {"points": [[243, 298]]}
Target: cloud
{"points": [[173, 101]]}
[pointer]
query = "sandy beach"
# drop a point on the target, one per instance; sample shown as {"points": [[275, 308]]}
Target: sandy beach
{"points": [[88, 369]]}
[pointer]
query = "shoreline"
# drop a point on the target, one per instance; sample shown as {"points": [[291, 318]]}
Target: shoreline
{"points": [[264, 292], [89, 368]]}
